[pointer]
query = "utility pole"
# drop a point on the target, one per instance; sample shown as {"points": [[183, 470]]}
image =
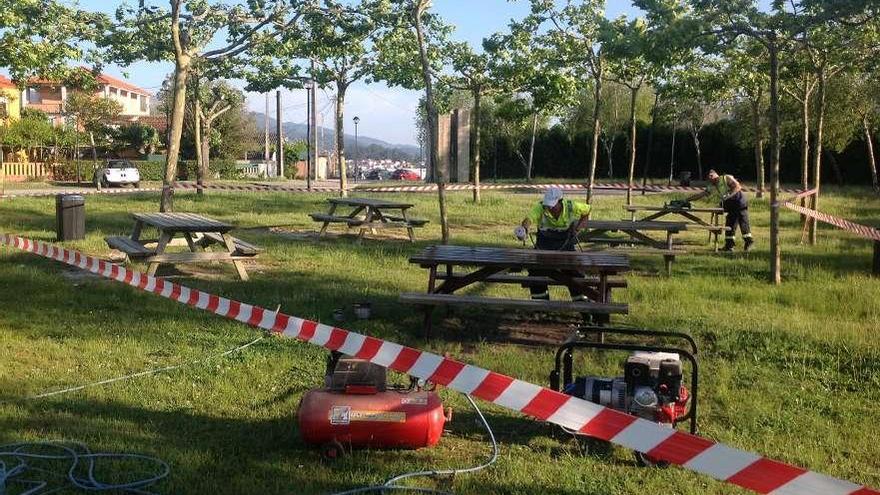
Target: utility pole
{"points": [[314, 119], [266, 152], [279, 159], [309, 135]]}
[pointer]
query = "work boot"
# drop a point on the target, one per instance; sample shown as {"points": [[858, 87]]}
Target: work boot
{"points": [[729, 244], [748, 241]]}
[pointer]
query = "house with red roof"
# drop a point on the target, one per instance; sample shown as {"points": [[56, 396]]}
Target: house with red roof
{"points": [[49, 96]]}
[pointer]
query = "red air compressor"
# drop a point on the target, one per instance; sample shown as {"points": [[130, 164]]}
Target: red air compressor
{"points": [[356, 409]]}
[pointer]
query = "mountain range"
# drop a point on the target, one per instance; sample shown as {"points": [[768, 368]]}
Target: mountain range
{"points": [[367, 146]]}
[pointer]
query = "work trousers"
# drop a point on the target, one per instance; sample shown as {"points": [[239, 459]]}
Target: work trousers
{"points": [[737, 210], [553, 240]]}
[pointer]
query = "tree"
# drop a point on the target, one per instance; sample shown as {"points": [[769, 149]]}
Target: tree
{"points": [[699, 92], [472, 74], [746, 72], [92, 114], [410, 56], [340, 45], [517, 122], [210, 101], [630, 66], [573, 36], [715, 25], [41, 37], [141, 137], [183, 33]]}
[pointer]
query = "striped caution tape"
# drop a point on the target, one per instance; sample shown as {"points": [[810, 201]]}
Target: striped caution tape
{"points": [[421, 188], [81, 192], [719, 461], [862, 230]]}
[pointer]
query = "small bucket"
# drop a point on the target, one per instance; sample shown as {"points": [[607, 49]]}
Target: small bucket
{"points": [[338, 314], [362, 310]]}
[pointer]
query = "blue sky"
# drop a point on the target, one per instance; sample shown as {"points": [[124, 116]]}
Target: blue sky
{"points": [[386, 113]]}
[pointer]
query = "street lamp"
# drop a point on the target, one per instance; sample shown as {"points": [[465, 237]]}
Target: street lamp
{"points": [[357, 167]]}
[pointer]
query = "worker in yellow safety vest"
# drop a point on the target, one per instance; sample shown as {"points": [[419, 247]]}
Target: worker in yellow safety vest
{"points": [[735, 204], [558, 221]]}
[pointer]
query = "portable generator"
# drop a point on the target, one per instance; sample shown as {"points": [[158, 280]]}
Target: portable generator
{"points": [[357, 409], [652, 386]]}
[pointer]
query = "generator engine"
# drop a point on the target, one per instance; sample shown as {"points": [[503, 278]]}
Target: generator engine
{"points": [[650, 388]]}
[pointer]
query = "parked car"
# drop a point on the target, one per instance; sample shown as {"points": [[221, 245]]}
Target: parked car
{"points": [[117, 173], [405, 174], [378, 174]]}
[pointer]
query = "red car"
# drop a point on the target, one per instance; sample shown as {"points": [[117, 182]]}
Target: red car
{"points": [[404, 174]]}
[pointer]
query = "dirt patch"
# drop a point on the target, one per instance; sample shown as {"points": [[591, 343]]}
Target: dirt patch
{"points": [[508, 328]]}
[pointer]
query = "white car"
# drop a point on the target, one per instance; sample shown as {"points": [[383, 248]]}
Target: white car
{"points": [[117, 172]]}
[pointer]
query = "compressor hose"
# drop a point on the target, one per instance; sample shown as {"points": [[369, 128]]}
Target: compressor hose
{"points": [[392, 486]]}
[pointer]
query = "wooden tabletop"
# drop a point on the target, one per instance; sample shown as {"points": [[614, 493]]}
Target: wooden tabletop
{"points": [[521, 258], [369, 202], [618, 225], [182, 222], [673, 209]]}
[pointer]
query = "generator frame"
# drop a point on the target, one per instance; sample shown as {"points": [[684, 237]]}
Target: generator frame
{"points": [[564, 361]]}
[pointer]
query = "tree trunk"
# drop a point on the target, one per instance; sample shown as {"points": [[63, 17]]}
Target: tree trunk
{"points": [[672, 155], [597, 106], [805, 148], [475, 154], [872, 161], [805, 144], [197, 136], [817, 152], [340, 138], [431, 117], [775, 152], [205, 165], [182, 62], [532, 148], [650, 144], [634, 93], [94, 147], [759, 146], [695, 134], [608, 144]]}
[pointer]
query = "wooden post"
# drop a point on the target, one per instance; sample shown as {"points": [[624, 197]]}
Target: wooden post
{"points": [[876, 270]]}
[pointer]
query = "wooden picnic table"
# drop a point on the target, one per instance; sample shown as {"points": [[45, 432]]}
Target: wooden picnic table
{"points": [[377, 214], [689, 214], [637, 233], [588, 273], [198, 231]]}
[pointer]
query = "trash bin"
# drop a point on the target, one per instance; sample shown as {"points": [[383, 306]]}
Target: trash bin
{"points": [[70, 214]]}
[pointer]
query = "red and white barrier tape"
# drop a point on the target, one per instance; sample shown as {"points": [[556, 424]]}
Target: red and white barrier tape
{"points": [[81, 192], [422, 188], [862, 230], [719, 461]]}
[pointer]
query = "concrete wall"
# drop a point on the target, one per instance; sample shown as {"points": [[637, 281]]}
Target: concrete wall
{"points": [[454, 146]]}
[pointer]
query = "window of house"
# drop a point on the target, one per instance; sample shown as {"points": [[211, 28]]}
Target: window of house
{"points": [[123, 93], [134, 96], [143, 103]]}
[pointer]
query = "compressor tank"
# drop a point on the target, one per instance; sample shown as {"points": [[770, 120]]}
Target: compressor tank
{"points": [[390, 419]]}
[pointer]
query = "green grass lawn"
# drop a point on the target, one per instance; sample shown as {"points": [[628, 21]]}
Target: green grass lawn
{"points": [[792, 372]]}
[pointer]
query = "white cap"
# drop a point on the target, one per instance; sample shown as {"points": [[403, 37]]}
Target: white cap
{"points": [[552, 196]]}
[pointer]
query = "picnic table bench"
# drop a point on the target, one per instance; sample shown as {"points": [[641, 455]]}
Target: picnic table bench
{"points": [[375, 216], [198, 231], [589, 273], [713, 226]]}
